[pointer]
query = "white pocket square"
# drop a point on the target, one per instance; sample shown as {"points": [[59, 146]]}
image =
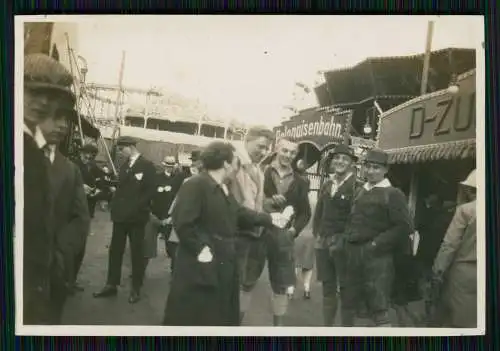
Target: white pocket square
{"points": [[138, 176]]}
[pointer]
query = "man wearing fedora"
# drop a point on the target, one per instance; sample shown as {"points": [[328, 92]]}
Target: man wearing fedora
{"points": [[329, 222], [47, 93], [71, 220], [130, 211], [167, 184], [380, 224]]}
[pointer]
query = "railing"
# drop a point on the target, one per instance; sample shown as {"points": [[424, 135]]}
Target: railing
{"points": [[315, 181]]}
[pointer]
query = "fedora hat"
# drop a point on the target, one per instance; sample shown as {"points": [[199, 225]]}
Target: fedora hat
{"points": [[169, 161], [377, 156], [470, 180], [344, 150]]}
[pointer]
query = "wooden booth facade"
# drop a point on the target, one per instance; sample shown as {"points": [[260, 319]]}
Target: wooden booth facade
{"points": [[431, 141]]}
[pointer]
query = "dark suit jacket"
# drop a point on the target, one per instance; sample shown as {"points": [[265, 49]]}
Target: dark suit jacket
{"points": [[91, 174], [38, 238], [71, 220], [132, 200], [297, 196], [332, 214], [162, 199]]}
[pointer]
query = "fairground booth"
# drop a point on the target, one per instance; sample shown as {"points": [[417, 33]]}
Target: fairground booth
{"points": [[431, 141], [354, 98]]}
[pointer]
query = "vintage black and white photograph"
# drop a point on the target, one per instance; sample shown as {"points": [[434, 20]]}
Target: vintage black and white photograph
{"points": [[259, 175]]}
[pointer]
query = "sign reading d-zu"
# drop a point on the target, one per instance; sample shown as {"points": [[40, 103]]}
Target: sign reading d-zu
{"points": [[320, 127]]}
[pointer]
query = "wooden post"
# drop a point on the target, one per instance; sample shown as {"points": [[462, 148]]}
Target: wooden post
{"points": [[412, 198], [427, 58]]}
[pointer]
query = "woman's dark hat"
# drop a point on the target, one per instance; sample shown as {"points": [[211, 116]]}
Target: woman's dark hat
{"points": [[377, 156], [345, 150], [195, 155]]}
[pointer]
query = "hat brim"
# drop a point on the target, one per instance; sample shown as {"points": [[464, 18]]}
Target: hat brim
{"points": [[352, 156], [168, 164], [50, 86]]}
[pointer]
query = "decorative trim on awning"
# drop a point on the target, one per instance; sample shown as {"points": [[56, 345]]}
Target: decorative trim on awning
{"points": [[443, 151]]}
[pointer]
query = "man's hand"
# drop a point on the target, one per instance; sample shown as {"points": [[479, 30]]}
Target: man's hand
{"points": [[112, 189], [292, 232], [87, 189], [166, 221], [279, 200]]}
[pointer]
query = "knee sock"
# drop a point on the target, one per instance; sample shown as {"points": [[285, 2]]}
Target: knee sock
{"points": [[245, 300], [280, 304], [290, 290], [306, 277]]}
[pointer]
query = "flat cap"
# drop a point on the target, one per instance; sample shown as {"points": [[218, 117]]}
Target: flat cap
{"points": [[89, 148], [126, 141], [377, 156], [43, 72]]}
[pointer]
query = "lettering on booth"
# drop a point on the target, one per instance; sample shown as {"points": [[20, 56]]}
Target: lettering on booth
{"points": [[449, 115]]}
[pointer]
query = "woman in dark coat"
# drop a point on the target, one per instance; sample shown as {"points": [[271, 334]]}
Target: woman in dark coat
{"points": [[205, 284]]}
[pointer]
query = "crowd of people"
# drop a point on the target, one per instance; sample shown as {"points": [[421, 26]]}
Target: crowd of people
{"points": [[223, 222]]}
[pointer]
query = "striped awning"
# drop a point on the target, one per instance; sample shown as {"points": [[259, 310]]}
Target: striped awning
{"points": [[443, 151]]}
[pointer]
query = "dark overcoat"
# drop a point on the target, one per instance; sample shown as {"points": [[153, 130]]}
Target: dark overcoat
{"points": [[38, 239], [71, 219], [207, 294]]}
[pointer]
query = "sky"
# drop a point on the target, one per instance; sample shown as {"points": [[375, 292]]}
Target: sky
{"points": [[245, 67]]}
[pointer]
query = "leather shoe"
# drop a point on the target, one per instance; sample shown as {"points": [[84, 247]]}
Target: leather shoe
{"points": [[134, 297], [108, 291], [307, 295]]}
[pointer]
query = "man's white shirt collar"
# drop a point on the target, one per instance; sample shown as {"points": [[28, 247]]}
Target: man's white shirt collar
{"points": [[37, 137], [333, 177], [385, 183]]}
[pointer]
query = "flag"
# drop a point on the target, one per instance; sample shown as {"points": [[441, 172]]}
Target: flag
{"points": [[303, 87]]}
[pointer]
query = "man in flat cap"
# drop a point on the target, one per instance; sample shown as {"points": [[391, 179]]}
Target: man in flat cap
{"points": [[130, 211], [380, 224], [47, 98], [71, 219], [329, 223]]}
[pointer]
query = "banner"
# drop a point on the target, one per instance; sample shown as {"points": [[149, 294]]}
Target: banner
{"points": [[320, 126]]}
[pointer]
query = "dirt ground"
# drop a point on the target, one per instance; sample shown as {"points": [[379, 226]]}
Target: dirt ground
{"points": [[83, 309]]}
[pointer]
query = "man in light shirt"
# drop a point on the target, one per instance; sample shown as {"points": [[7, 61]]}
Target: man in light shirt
{"points": [[247, 187]]}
